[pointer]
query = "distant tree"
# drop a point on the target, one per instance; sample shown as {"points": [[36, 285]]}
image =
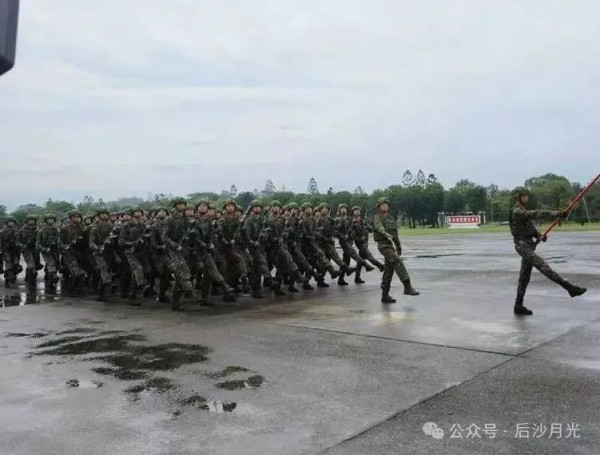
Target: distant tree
{"points": [[269, 188], [330, 192], [407, 179], [420, 179], [232, 191], [244, 198], [313, 188], [431, 179], [359, 190]]}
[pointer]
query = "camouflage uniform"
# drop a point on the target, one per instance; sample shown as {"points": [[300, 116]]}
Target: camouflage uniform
{"points": [[236, 266], [294, 241], [525, 234], [102, 254], [256, 238], [385, 234], [202, 232], [312, 252], [359, 233], [71, 236], [11, 254], [157, 256], [47, 242], [343, 233], [326, 232], [277, 249], [175, 237], [26, 238]]}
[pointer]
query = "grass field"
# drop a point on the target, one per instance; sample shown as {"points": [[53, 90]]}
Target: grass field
{"points": [[568, 227]]}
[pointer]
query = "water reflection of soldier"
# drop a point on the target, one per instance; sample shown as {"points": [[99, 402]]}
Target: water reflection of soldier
{"points": [[525, 235]]}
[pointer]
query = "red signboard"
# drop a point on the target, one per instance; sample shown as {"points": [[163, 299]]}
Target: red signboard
{"points": [[464, 219]]}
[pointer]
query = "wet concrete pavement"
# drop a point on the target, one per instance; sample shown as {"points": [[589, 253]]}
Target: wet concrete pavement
{"points": [[330, 371]]}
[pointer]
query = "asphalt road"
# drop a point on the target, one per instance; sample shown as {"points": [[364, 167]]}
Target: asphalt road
{"points": [[328, 371]]}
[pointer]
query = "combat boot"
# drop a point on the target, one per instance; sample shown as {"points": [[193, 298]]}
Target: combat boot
{"points": [[520, 309], [256, 294], [341, 281], [322, 284], [368, 267], [292, 288], [176, 304], [573, 290], [380, 266], [357, 279], [386, 297], [349, 270], [163, 298], [334, 273], [408, 289], [277, 290], [228, 295], [306, 285]]}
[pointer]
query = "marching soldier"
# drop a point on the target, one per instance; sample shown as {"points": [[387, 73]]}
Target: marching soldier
{"points": [[343, 232], [100, 245], [525, 235], [385, 232], [10, 251], [71, 237], [326, 232], [26, 241], [359, 232], [47, 242]]}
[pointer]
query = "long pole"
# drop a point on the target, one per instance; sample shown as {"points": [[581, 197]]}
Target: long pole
{"points": [[573, 203]]}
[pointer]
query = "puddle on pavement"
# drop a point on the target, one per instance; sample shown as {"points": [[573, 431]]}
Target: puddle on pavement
{"points": [[26, 298], [125, 357], [252, 382], [227, 371], [26, 335], [206, 405], [435, 256]]}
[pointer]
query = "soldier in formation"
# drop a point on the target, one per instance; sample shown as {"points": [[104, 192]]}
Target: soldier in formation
{"points": [[195, 251]]}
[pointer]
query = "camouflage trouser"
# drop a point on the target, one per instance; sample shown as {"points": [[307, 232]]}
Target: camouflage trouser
{"points": [[530, 260], [11, 264], [51, 262], [300, 260], [284, 263], [363, 251], [219, 260], [328, 248], [350, 253], [70, 260], [102, 267], [210, 272], [32, 259], [138, 264], [178, 266], [259, 266], [236, 266], [316, 257], [393, 263]]}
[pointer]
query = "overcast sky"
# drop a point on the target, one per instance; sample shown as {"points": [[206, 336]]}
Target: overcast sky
{"points": [[117, 98]]}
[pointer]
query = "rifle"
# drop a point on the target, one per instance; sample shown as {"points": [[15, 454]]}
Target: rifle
{"points": [[570, 207]]}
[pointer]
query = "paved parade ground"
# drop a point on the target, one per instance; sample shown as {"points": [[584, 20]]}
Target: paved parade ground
{"points": [[328, 371]]}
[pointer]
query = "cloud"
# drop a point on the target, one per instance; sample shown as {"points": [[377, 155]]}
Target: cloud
{"points": [[182, 96]]}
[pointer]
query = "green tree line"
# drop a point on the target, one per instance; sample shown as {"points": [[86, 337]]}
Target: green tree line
{"points": [[416, 200]]}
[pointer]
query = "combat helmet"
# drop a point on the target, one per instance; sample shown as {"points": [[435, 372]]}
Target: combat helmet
{"points": [[229, 202], [178, 200], [102, 211], [275, 204], [8, 219], [520, 191], [356, 207], [73, 213], [342, 206], [292, 205], [31, 216], [48, 216], [383, 200]]}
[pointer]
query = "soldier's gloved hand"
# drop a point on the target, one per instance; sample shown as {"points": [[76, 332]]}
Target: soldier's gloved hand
{"points": [[231, 242], [211, 247], [543, 238]]}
